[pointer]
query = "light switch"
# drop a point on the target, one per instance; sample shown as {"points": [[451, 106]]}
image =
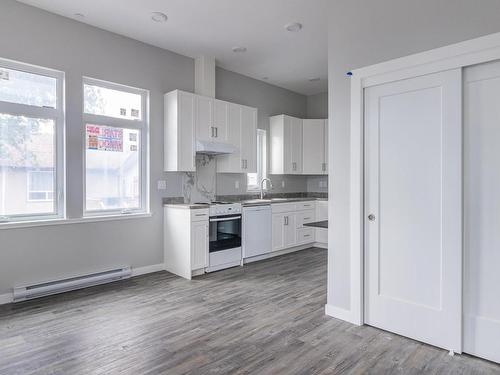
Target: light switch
{"points": [[162, 185], [283, 183], [237, 184]]}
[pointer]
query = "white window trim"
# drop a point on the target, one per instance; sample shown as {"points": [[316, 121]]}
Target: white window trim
{"points": [[263, 174], [58, 116], [139, 124]]}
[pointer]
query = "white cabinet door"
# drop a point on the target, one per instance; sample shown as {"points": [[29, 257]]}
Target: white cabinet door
{"points": [[290, 229], [313, 152], [248, 139], [413, 208], [482, 211], [278, 222], [204, 118], [296, 145], [199, 245], [232, 163], [179, 131], [221, 120]]}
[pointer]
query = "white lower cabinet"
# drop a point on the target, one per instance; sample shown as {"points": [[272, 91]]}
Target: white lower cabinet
{"points": [[288, 221], [321, 214], [199, 245], [185, 240]]}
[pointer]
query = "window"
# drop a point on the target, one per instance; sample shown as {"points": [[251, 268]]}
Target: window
{"points": [[31, 142], [116, 133], [40, 186], [254, 179]]}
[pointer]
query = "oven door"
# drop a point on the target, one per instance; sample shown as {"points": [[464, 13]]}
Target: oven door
{"points": [[225, 232]]}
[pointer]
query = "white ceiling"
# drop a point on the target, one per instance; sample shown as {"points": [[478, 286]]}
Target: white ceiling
{"points": [[213, 27]]}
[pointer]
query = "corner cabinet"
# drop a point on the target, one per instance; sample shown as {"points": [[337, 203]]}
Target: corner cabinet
{"points": [[298, 146], [241, 133], [186, 240]]}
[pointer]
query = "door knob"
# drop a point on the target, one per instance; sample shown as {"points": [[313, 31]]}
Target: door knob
{"points": [[371, 217]]}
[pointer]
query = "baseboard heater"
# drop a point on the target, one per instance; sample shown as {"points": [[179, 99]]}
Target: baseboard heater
{"points": [[27, 292]]}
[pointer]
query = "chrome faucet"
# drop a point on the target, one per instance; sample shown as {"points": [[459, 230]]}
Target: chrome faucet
{"points": [[262, 186]]}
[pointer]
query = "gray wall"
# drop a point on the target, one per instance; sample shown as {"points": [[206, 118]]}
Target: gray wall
{"points": [[317, 105], [376, 31], [269, 100]]}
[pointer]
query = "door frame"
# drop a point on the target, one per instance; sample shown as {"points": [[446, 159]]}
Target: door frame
{"points": [[459, 55]]}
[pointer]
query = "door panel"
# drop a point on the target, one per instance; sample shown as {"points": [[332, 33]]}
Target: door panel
{"points": [[277, 232], [204, 118], [413, 189], [313, 153], [249, 138], [290, 230], [221, 114], [296, 143], [199, 247], [482, 211]]}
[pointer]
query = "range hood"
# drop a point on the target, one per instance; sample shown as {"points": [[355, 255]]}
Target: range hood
{"points": [[214, 148]]}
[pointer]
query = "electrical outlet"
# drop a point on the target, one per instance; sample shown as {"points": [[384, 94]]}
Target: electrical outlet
{"points": [[283, 183], [237, 184], [162, 185]]}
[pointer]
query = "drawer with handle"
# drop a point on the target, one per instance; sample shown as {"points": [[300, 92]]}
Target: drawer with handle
{"points": [[304, 217], [308, 205], [305, 235], [199, 215]]}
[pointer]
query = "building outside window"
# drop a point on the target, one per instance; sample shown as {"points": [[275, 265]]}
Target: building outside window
{"points": [[254, 179], [116, 134], [31, 142]]}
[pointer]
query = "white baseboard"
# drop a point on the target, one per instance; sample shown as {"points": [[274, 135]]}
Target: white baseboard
{"points": [[137, 271], [6, 298], [342, 314]]}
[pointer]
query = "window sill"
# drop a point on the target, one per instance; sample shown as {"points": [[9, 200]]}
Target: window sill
{"points": [[87, 219]]}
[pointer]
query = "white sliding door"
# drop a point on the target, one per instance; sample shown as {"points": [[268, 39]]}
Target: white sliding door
{"points": [[482, 211], [413, 208]]}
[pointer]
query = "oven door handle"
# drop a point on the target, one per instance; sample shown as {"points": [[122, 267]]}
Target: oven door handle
{"points": [[225, 218]]}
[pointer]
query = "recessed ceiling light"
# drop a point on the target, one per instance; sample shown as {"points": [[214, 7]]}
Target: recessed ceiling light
{"points": [[159, 17], [293, 27], [239, 49], [314, 79], [79, 15]]}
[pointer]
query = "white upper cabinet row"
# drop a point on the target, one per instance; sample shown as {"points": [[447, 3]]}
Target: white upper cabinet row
{"points": [[298, 146], [190, 117]]}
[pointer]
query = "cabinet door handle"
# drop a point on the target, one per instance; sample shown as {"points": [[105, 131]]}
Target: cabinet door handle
{"points": [[216, 132], [286, 220], [307, 218], [307, 235], [212, 131]]}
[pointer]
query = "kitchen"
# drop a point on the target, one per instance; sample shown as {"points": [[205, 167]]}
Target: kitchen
{"points": [[218, 142]]}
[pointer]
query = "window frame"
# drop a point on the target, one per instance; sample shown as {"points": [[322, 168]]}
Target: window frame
{"points": [[137, 124], [29, 190], [57, 115], [262, 166]]}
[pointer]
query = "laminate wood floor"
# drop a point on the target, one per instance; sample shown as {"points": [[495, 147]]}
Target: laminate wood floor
{"points": [[264, 318]]}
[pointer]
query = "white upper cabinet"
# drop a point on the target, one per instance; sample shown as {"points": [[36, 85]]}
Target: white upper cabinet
{"points": [[179, 131], [298, 146], [286, 145], [190, 117], [221, 121], [314, 152], [204, 118], [241, 133]]}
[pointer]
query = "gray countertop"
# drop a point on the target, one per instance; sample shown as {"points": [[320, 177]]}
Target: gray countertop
{"points": [[318, 224], [246, 203]]}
